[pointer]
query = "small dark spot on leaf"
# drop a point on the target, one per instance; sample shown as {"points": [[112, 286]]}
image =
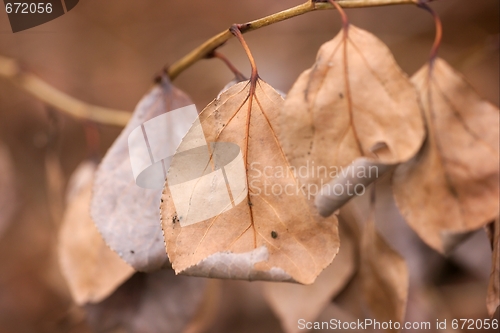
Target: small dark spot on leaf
{"points": [[274, 234]]}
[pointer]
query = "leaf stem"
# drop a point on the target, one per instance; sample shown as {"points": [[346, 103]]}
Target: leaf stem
{"points": [[345, 20], [11, 70], [439, 29], [236, 31], [218, 40], [237, 74]]}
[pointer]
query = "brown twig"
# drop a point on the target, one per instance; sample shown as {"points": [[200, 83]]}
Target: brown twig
{"points": [[51, 96], [216, 41], [10, 69]]}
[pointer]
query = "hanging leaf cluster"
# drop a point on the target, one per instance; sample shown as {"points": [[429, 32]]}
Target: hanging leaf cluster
{"points": [[431, 133]]}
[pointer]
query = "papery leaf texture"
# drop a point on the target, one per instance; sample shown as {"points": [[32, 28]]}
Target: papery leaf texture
{"points": [[127, 215], [452, 186], [252, 233]]}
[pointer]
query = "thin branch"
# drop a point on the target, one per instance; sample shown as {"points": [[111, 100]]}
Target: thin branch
{"points": [[218, 40], [10, 69]]}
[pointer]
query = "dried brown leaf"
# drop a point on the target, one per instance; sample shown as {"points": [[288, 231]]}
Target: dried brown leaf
{"points": [[127, 215], [493, 297], [157, 302], [452, 186], [354, 102], [292, 302], [7, 188], [266, 236], [93, 271], [384, 277]]}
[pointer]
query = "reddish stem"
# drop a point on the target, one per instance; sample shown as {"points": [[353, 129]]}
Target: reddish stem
{"points": [[345, 20], [235, 30], [439, 30], [237, 74]]}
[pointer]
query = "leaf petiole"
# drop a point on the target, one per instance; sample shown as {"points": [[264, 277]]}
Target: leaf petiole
{"points": [[235, 30]]}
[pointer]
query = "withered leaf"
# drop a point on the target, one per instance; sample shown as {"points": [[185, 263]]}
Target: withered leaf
{"points": [[93, 271], [354, 102], [158, 302], [266, 234], [384, 277], [7, 188], [452, 186], [493, 297], [127, 215], [292, 302]]}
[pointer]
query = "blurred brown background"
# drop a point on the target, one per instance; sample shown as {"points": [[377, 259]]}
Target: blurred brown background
{"points": [[107, 53]]}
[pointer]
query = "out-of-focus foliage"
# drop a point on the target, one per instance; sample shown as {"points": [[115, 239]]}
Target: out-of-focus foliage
{"points": [[106, 53]]}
